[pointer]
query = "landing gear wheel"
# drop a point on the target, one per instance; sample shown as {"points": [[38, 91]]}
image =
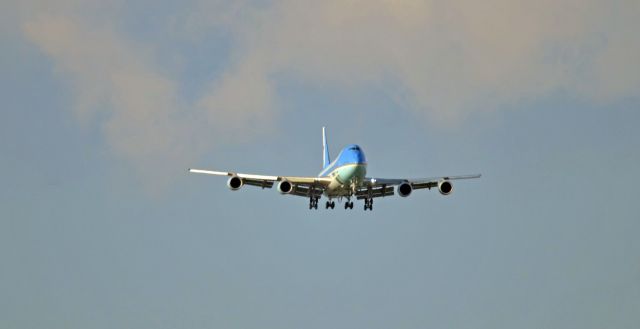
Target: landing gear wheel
{"points": [[313, 203], [368, 204], [330, 204]]}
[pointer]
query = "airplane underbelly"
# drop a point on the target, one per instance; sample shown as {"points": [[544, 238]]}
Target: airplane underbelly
{"points": [[344, 177]]}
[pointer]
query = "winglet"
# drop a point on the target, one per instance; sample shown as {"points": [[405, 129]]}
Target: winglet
{"points": [[325, 150]]}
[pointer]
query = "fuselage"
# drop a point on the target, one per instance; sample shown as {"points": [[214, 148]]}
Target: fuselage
{"points": [[347, 171]]}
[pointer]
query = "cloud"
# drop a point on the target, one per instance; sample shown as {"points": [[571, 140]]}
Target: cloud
{"points": [[454, 58], [111, 75], [147, 122], [444, 60]]}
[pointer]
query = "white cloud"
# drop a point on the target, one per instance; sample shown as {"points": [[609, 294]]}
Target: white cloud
{"points": [[456, 57], [148, 123], [107, 73], [447, 60]]}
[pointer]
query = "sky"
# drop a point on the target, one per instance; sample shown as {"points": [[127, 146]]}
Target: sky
{"points": [[106, 104]]}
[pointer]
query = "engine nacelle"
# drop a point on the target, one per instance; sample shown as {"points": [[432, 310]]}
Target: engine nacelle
{"points": [[285, 187], [235, 183], [445, 187], [405, 189]]}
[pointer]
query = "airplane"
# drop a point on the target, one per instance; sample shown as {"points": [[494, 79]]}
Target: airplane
{"points": [[345, 177]]}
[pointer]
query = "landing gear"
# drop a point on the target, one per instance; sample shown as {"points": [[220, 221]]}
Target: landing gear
{"points": [[348, 205], [313, 202], [368, 204], [330, 204]]}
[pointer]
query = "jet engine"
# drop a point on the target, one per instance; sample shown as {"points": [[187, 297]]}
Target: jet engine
{"points": [[404, 189], [445, 187], [285, 187], [235, 183]]}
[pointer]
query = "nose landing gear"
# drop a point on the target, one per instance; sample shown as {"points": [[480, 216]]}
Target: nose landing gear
{"points": [[348, 205], [330, 204]]}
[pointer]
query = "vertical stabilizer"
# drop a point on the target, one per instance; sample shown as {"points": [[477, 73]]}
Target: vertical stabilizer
{"points": [[326, 160]]}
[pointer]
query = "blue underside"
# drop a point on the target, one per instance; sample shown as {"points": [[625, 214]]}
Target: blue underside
{"points": [[352, 154]]}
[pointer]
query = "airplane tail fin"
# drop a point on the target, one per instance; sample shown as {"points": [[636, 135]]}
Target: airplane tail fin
{"points": [[325, 150]]}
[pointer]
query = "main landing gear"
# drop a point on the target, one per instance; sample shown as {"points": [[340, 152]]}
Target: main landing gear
{"points": [[368, 204], [313, 202]]}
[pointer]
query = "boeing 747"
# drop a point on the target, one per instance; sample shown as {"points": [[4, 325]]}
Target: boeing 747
{"points": [[344, 178]]}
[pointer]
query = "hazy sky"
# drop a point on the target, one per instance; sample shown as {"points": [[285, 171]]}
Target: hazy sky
{"points": [[106, 104]]}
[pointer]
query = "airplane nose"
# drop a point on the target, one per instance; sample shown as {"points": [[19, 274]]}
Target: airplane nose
{"points": [[361, 158]]}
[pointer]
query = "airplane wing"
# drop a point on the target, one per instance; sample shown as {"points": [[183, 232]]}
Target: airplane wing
{"points": [[381, 187], [301, 186]]}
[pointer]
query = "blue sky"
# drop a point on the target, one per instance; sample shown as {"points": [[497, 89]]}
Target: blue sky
{"points": [[106, 105]]}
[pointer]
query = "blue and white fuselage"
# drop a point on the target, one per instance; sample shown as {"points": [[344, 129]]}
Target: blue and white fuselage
{"points": [[346, 172]]}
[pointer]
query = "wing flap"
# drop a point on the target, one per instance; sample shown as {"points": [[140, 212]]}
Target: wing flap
{"points": [[307, 190], [375, 192], [258, 183], [421, 185], [416, 182], [307, 180], [304, 186]]}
